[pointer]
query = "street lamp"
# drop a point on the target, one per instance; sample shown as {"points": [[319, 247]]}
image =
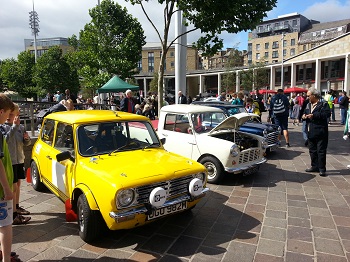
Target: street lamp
{"points": [[282, 70], [34, 25]]}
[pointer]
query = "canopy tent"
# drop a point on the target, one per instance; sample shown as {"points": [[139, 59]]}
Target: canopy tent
{"points": [[294, 90], [115, 85], [267, 91]]}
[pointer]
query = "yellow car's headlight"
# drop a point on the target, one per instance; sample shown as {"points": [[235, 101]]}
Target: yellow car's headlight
{"points": [[201, 176], [125, 197]]}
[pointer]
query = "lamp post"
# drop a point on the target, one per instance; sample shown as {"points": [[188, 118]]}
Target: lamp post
{"points": [[34, 25], [282, 69]]}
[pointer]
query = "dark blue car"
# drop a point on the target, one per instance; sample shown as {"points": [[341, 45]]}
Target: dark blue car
{"points": [[269, 131]]}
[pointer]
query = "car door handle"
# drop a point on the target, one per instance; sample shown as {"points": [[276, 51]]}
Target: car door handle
{"points": [[192, 143], [164, 134], [49, 157]]}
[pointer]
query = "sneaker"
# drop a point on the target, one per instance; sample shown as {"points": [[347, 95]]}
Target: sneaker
{"points": [[21, 220], [287, 145], [22, 211]]}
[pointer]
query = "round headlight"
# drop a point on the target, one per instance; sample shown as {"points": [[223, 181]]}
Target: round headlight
{"points": [[125, 197], [200, 176], [264, 144], [265, 132], [234, 150]]}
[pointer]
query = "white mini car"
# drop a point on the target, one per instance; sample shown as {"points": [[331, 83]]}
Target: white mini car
{"points": [[204, 134]]}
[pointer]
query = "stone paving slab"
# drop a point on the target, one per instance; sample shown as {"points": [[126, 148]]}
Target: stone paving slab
{"points": [[279, 214]]}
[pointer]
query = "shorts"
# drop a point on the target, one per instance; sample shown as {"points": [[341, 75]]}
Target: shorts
{"points": [[18, 172], [282, 122], [6, 213]]}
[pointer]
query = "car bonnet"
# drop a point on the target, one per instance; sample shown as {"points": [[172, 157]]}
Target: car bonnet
{"points": [[233, 122]]}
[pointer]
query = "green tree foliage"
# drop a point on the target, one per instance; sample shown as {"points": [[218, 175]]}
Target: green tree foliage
{"points": [[110, 44], [52, 73], [153, 85], [17, 75], [234, 60], [212, 18], [256, 77]]}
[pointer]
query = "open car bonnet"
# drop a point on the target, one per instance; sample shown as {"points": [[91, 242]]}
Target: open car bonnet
{"points": [[233, 122]]}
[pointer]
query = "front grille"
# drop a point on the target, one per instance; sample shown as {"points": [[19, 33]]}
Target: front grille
{"points": [[174, 187], [272, 138], [249, 155]]}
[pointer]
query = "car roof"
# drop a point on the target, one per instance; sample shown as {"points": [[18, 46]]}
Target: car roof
{"points": [[211, 104], [181, 108], [88, 116]]}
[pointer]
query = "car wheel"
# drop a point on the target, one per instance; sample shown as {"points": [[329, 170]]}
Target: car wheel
{"points": [[214, 168], [34, 173], [89, 221]]}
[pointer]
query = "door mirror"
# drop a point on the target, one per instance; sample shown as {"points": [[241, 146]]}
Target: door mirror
{"points": [[64, 156], [163, 140]]}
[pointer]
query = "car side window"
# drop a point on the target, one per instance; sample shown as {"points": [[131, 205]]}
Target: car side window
{"points": [[64, 137], [177, 123], [48, 131]]}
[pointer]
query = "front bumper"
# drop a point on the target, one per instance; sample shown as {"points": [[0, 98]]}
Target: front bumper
{"points": [[123, 216], [241, 169]]}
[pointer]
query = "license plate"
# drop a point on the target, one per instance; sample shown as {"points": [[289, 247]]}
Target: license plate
{"points": [[167, 210], [250, 171]]}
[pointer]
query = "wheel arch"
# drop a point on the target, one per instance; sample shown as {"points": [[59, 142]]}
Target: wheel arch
{"points": [[209, 155], [83, 189]]}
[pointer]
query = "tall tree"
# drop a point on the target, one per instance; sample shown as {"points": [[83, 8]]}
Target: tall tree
{"points": [[111, 44], [17, 74], [212, 18], [52, 73], [234, 59]]}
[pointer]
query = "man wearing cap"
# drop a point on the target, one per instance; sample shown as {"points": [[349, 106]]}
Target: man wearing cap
{"points": [[127, 104]]}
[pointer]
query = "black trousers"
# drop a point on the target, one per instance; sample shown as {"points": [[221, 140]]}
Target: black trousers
{"points": [[318, 152]]}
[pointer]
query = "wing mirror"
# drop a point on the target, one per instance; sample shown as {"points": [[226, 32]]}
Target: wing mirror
{"points": [[64, 156]]}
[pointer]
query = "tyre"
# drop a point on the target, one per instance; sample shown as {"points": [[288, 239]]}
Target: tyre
{"points": [[34, 173], [89, 221], [214, 168]]}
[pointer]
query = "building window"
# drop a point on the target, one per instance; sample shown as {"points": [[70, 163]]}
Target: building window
{"points": [[277, 24], [150, 62], [284, 43], [292, 51], [139, 65], [172, 54], [267, 45], [266, 55], [292, 42], [268, 27], [313, 45], [274, 54], [249, 47], [257, 56], [284, 52], [304, 47], [294, 23], [275, 44], [250, 57], [172, 64], [260, 29], [257, 47]]}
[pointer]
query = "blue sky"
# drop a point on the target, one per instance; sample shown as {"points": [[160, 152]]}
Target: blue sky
{"points": [[63, 18]]}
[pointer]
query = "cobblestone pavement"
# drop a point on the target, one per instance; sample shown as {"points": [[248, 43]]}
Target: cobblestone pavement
{"points": [[280, 214]]}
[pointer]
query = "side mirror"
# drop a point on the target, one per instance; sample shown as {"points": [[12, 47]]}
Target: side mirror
{"points": [[64, 156], [163, 140]]}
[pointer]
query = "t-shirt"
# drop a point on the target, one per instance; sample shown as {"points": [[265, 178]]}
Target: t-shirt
{"points": [[6, 160]]}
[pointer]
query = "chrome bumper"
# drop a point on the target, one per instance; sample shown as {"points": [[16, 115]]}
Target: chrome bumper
{"points": [[123, 216], [241, 169]]}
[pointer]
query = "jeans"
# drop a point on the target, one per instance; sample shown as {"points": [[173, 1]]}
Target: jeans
{"points": [[304, 130], [343, 114], [333, 114]]}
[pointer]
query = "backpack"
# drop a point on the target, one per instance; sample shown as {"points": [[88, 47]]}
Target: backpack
{"points": [[261, 106], [278, 107]]}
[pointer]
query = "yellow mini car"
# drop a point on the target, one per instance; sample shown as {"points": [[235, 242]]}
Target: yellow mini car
{"points": [[110, 168]]}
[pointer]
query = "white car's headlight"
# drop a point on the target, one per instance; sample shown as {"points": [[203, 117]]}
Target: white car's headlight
{"points": [[201, 176], [125, 197], [264, 144], [234, 150]]}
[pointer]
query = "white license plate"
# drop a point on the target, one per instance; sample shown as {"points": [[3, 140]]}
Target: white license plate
{"points": [[167, 210], [250, 171]]}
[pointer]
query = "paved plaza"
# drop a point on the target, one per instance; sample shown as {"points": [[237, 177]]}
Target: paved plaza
{"points": [[280, 214]]}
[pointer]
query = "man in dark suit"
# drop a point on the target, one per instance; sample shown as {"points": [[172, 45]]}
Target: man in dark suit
{"points": [[127, 104], [316, 114], [182, 98]]}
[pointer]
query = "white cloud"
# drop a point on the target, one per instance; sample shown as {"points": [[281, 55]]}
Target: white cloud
{"points": [[331, 10]]}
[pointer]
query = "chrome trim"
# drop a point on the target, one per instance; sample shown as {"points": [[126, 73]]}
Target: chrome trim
{"points": [[235, 169], [143, 210]]}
